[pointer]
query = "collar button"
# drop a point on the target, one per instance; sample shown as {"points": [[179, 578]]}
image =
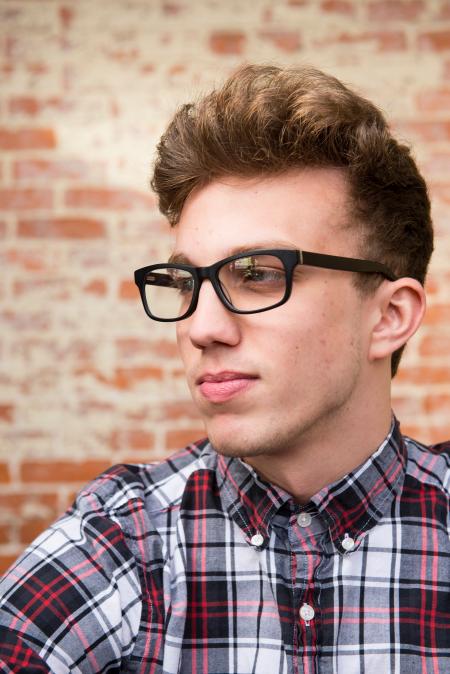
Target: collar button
{"points": [[257, 540], [348, 543]]}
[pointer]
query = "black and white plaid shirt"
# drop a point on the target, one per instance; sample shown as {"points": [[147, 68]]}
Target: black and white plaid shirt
{"points": [[196, 566]]}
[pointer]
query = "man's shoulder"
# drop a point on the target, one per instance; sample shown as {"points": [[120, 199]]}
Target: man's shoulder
{"points": [[430, 464], [161, 484]]}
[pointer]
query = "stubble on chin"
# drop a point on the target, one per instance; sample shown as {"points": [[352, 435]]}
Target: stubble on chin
{"points": [[243, 445]]}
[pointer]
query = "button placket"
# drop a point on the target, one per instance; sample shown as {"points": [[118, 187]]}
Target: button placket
{"points": [[307, 613]]}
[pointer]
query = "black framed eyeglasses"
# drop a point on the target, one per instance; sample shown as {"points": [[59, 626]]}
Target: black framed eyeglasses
{"points": [[246, 283]]}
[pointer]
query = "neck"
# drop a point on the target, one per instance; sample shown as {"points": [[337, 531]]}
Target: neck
{"points": [[325, 453]]}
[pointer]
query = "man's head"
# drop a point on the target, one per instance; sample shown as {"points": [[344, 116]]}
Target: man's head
{"points": [[291, 159], [267, 120]]}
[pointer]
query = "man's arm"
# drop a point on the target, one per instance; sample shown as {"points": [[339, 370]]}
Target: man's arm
{"points": [[72, 602]]}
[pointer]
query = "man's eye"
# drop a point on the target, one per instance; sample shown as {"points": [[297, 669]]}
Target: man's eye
{"points": [[184, 285], [262, 274]]}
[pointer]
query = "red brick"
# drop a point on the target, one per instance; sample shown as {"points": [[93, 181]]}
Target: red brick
{"points": [[129, 55], [66, 15], [172, 8], [181, 409], [437, 315], [440, 191], [25, 199], [37, 68], [66, 169], [114, 199], [427, 130], [30, 528], [7, 413], [383, 40], [286, 40], [180, 438], [19, 501], [429, 434], [438, 40], [424, 375], [437, 345], [32, 106], [4, 472], [132, 439], [28, 260], [338, 7], [432, 100], [438, 403], [390, 10], [27, 139], [61, 471], [123, 378], [406, 407], [5, 533], [227, 42], [61, 228], [7, 560], [128, 347], [444, 12], [128, 290], [96, 287]]}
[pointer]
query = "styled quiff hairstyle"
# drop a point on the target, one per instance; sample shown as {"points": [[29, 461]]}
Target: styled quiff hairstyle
{"points": [[267, 120]]}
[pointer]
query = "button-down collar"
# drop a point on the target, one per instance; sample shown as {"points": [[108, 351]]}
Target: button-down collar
{"points": [[350, 506]]}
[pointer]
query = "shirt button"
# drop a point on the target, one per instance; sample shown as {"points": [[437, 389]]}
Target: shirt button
{"points": [[257, 540], [307, 612], [348, 543], [304, 519]]}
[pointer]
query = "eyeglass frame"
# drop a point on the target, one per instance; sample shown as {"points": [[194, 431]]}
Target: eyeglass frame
{"points": [[290, 260]]}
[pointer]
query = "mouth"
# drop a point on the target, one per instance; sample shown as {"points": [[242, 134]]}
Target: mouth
{"points": [[222, 386]]}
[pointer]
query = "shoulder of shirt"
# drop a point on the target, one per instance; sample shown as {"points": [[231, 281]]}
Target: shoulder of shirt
{"points": [[161, 485], [429, 464]]}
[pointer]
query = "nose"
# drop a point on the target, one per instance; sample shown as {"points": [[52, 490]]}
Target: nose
{"points": [[211, 321]]}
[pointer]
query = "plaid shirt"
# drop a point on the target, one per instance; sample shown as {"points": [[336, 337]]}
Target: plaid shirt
{"points": [[197, 566]]}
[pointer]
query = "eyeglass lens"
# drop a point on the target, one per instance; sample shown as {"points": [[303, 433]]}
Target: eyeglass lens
{"points": [[249, 283]]}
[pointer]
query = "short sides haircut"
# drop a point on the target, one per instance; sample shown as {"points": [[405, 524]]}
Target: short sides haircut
{"points": [[266, 120]]}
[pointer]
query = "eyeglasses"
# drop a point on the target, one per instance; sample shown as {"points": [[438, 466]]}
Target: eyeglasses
{"points": [[246, 283]]}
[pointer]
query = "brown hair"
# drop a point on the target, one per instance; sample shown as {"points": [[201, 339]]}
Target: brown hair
{"points": [[268, 120]]}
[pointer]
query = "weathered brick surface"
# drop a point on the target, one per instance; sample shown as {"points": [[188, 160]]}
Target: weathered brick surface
{"points": [[86, 379]]}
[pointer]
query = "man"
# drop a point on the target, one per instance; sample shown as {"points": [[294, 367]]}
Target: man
{"points": [[306, 535]]}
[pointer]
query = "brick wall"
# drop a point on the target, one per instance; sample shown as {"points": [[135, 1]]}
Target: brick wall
{"points": [[86, 379]]}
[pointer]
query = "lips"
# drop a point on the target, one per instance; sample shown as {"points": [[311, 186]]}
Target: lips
{"points": [[222, 386]]}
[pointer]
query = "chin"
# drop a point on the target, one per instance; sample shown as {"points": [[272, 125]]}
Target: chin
{"points": [[235, 441]]}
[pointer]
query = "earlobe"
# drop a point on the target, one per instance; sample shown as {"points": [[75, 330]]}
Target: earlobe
{"points": [[400, 308]]}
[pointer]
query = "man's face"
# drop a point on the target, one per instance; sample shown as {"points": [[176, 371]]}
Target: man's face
{"points": [[268, 382]]}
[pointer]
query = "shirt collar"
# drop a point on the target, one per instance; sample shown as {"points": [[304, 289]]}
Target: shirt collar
{"points": [[355, 503], [350, 506], [250, 501]]}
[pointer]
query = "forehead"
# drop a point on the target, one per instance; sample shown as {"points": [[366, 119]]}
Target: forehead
{"points": [[305, 209]]}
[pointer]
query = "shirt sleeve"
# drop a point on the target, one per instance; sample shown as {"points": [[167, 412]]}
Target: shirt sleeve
{"points": [[72, 602]]}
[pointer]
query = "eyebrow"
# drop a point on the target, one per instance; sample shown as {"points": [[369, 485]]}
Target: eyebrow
{"points": [[182, 258]]}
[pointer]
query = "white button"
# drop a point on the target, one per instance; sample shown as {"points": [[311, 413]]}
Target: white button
{"points": [[307, 612], [348, 543], [304, 519], [257, 540]]}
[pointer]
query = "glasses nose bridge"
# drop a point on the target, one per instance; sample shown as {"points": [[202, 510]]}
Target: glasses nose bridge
{"points": [[210, 273]]}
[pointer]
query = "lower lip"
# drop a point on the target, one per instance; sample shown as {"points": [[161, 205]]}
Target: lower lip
{"points": [[220, 391]]}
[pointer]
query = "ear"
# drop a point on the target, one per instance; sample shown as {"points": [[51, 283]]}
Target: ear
{"points": [[399, 309]]}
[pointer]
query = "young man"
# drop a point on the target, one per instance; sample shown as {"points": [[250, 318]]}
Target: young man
{"points": [[306, 535]]}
